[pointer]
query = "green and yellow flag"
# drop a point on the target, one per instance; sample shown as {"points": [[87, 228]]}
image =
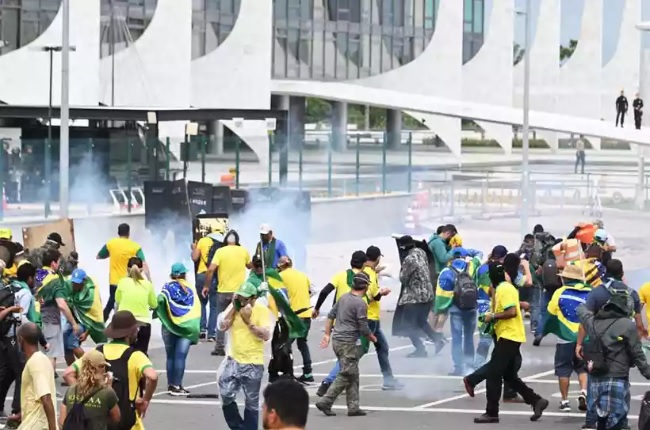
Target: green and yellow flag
{"points": [[562, 319], [87, 308], [179, 310]]}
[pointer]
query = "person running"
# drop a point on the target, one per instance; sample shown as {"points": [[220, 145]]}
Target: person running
{"points": [[298, 288], [129, 367], [506, 360], [563, 322], [179, 311], [94, 393], [38, 390], [119, 251], [249, 325], [230, 263], [286, 406], [273, 248], [201, 253], [136, 294], [351, 315], [457, 295]]}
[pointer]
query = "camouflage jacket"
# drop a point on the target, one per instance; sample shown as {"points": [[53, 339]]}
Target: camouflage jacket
{"points": [[67, 264], [35, 256]]}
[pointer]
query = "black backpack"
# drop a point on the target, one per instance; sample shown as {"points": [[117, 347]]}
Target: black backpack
{"points": [[594, 353], [120, 369], [465, 291], [213, 249], [7, 300], [644, 414], [550, 278], [620, 300], [76, 418]]}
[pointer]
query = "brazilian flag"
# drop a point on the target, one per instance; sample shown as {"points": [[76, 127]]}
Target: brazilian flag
{"points": [[87, 308], [280, 301], [562, 318]]}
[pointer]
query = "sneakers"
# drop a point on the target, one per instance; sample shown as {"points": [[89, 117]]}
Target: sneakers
{"points": [[212, 339], [306, 378], [392, 385], [582, 402], [175, 391], [538, 409], [219, 352], [565, 406], [538, 340], [324, 386], [486, 419], [203, 335], [357, 413], [418, 353]]}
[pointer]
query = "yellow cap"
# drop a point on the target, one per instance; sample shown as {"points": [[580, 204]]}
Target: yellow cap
{"points": [[5, 233]]}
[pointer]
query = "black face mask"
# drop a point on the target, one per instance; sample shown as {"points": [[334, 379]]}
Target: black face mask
{"points": [[266, 238]]}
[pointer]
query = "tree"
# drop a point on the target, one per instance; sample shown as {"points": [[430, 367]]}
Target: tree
{"points": [[317, 110], [567, 51], [517, 53]]}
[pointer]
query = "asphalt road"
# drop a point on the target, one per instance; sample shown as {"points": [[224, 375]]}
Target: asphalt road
{"points": [[430, 395]]}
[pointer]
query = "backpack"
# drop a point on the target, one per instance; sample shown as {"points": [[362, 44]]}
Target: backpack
{"points": [[644, 413], [542, 248], [213, 249], [7, 300], [594, 353], [76, 418], [620, 301], [550, 278], [465, 291], [120, 369]]}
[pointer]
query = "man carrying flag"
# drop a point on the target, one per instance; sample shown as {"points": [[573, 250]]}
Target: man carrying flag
{"points": [[288, 325], [563, 322]]}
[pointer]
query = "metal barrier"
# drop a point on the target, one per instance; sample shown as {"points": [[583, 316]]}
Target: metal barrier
{"points": [[121, 200]]}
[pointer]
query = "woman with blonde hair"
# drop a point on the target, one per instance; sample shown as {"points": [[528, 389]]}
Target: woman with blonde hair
{"points": [[136, 294], [93, 393]]}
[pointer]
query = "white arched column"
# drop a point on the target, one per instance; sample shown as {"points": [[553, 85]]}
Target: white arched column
{"points": [[488, 77], [237, 75]]}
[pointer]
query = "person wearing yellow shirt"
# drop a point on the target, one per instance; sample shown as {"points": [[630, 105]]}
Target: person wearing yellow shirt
{"points": [[128, 365], [644, 296], [248, 322], [298, 288], [200, 253], [136, 294], [374, 295], [506, 359], [229, 263], [119, 250]]}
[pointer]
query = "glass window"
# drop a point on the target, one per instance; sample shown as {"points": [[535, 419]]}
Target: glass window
{"points": [[218, 18], [124, 21], [478, 16], [469, 10], [22, 21]]}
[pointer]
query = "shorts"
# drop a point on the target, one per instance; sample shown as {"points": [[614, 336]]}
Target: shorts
{"points": [[70, 339], [53, 334], [566, 361]]}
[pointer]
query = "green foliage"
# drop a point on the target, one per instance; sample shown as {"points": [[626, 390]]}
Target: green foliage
{"points": [[567, 51], [517, 53], [317, 110]]}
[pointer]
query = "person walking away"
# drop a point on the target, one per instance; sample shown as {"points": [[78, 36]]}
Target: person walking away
{"points": [[272, 248], [129, 367], [85, 303], [612, 349], [179, 311], [298, 288], [351, 315], [51, 293], [286, 406], [92, 402], [637, 105], [457, 295], [580, 155], [202, 253], [119, 251], [38, 390], [415, 300], [563, 322], [248, 324], [374, 296], [506, 359], [230, 263], [621, 109], [136, 294]]}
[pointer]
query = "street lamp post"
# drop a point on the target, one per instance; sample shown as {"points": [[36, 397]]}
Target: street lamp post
{"points": [[525, 193], [640, 195], [64, 141]]}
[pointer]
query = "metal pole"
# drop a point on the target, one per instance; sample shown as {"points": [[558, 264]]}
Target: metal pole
{"points": [[302, 144], [383, 166], [112, 52], [640, 200], [271, 144], [48, 144], [525, 128], [329, 167], [237, 161], [203, 143], [167, 145], [410, 171], [357, 165], [129, 155], [64, 140]]}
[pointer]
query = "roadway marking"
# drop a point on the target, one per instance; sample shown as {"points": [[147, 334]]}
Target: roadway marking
{"points": [[554, 381]]}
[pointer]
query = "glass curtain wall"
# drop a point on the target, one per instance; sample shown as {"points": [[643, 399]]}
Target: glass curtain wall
{"points": [[212, 22], [22, 21], [123, 22]]}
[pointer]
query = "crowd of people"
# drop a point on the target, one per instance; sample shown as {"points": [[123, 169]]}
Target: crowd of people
{"points": [[571, 287]]}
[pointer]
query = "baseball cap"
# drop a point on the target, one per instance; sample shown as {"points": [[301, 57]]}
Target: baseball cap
{"points": [[78, 276], [178, 269], [499, 251], [95, 358], [459, 252], [56, 237], [600, 235], [360, 281], [265, 228], [373, 253], [5, 233], [247, 290]]}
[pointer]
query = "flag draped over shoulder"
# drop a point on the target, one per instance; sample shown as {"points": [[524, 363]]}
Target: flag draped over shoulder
{"points": [[562, 318], [87, 307], [280, 301], [179, 310]]}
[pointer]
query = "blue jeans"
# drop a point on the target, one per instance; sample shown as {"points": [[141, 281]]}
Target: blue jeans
{"points": [[329, 379], [543, 312], [208, 322], [248, 378], [177, 349], [463, 326]]}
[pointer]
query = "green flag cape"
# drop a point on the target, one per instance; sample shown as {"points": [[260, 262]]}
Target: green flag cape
{"points": [[278, 292], [87, 308], [179, 310]]}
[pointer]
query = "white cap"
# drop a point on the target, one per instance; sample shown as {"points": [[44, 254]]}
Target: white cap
{"points": [[265, 228]]}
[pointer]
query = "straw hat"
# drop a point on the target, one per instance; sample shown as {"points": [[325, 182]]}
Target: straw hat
{"points": [[572, 271]]}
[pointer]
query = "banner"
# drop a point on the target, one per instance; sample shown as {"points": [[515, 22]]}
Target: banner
{"points": [[35, 236]]}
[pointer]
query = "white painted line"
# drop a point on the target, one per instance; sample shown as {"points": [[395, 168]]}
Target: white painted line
{"points": [[554, 381], [376, 375], [466, 396], [204, 384]]}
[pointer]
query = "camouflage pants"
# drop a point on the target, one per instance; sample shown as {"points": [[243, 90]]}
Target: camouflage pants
{"points": [[348, 354]]}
